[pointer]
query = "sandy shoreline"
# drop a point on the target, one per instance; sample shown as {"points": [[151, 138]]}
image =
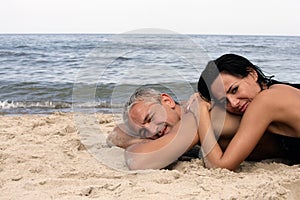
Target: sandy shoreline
{"points": [[43, 157]]}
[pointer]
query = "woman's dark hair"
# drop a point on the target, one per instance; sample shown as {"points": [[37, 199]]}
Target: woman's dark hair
{"points": [[232, 64]]}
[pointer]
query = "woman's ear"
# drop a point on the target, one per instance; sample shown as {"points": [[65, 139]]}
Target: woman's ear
{"points": [[167, 100], [253, 74]]}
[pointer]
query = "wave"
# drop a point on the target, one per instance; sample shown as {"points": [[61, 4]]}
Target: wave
{"points": [[20, 54], [8, 104], [123, 58], [34, 97], [48, 107]]}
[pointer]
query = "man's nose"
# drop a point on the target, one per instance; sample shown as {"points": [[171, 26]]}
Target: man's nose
{"points": [[152, 129]]}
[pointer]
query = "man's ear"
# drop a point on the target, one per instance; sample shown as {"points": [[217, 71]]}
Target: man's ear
{"points": [[167, 100]]}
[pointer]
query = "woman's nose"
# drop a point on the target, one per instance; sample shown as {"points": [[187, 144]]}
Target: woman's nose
{"points": [[232, 101]]}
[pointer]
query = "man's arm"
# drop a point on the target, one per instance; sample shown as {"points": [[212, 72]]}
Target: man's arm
{"points": [[121, 137], [161, 152]]}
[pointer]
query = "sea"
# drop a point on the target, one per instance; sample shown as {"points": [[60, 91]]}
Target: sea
{"points": [[47, 73]]}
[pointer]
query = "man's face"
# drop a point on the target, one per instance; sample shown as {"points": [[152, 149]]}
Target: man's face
{"points": [[153, 120]]}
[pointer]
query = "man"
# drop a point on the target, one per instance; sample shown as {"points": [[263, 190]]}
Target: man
{"points": [[154, 136]]}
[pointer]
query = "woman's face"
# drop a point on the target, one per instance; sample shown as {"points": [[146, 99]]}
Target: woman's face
{"points": [[235, 92]]}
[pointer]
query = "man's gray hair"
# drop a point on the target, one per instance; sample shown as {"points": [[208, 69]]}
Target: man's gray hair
{"points": [[141, 94]]}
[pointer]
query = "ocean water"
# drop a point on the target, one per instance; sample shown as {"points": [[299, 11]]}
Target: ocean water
{"points": [[46, 73]]}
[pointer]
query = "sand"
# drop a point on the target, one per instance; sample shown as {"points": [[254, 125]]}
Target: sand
{"points": [[64, 156]]}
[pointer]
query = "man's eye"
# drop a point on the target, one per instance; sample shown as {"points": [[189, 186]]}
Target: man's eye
{"points": [[149, 119]]}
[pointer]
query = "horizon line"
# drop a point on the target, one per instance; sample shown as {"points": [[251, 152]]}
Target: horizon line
{"points": [[112, 33]]}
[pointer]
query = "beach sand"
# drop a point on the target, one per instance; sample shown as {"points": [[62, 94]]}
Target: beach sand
{"points": [[64, 156]]}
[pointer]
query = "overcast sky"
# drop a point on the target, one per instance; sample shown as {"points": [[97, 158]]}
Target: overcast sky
{"points": [[246, 17]]}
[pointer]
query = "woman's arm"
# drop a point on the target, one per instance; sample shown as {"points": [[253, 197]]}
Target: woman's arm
{"points": [[253, 125], [224, 123]]}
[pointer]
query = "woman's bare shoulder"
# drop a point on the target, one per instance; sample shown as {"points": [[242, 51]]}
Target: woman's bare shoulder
{"points": [[275, 100], [283, 88], [277, 92]]}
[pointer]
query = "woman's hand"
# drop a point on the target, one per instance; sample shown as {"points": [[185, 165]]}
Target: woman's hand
{"points": [[195, 104], [200, 109]]}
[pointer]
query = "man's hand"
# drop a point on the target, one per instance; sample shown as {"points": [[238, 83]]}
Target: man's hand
{"points": [[120, 137]]}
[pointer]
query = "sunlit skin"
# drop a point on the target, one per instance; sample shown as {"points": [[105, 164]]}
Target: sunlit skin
{"points": [[274, 109], [265, 111], [156, 125], [239, 91], [153, 120]]}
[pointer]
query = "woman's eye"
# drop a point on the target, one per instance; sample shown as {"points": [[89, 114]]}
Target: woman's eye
{"points": [[234, 90]]}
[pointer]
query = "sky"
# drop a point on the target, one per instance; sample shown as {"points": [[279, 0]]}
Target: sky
{"points": [[226, 17]]}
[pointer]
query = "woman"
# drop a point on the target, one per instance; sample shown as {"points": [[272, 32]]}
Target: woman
{"points": [[265, 106]]}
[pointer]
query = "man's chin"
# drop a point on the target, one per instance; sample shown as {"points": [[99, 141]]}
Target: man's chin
{"points": [[154, 137]]}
